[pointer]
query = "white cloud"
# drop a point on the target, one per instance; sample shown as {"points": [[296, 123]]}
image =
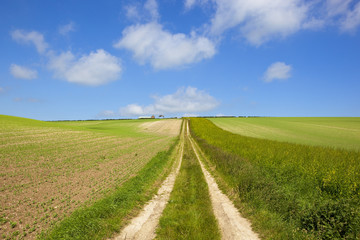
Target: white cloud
{"points": [[2, 90], [65, 29], [22, 72], [352, 19], [261, 20], [185, 100], [277, 70], [132, 12], [342, 13], [94, 69], [191, 3], [162, 49], [314, 24], [137, 12], [33, 37], [336, 7], [152, 7]]}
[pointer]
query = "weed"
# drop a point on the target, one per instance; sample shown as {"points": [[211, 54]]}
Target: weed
{"points": [[13, 224]]}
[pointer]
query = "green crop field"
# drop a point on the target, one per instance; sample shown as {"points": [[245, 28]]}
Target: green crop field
{"points": [[50, 169], [338, 132], [290, 191]]}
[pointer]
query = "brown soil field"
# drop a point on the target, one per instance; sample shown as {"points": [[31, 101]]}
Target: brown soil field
{"points": [[164, 127], [46, 173]]}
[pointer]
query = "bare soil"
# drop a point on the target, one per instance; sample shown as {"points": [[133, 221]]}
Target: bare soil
{"points": [[45, 175], [164, 127]]}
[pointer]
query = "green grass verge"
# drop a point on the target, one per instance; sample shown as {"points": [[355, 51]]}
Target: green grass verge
{"points": [[289, 191], [189, 215], [339, 132], [106, 216]]}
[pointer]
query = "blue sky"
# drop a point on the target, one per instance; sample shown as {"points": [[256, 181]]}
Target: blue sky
{"points": [[121, 58]]}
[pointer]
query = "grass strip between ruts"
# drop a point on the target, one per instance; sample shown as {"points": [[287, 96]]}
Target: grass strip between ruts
{"points": [[189, 214], [106, 216]]}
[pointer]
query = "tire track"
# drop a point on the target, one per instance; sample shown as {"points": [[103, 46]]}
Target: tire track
{"points": [[144, 225], [231, 223]]}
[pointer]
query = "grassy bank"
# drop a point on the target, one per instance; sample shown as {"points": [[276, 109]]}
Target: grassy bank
{"points": [[188, 214], [106, 216], [290, 190], [339, 132]]}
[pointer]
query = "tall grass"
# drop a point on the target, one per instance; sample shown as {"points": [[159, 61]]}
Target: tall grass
{"points": [[311, 191]]}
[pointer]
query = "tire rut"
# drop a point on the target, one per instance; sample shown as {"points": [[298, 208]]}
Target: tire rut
{"points": [[231, 223], [144, 225]]}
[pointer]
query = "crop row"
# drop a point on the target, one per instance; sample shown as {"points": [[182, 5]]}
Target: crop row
{"points": [[45, 176]]}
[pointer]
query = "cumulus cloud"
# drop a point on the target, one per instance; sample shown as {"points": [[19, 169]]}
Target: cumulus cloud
{"points": [[343, 13], [188, 100], [32, 37], [336, 7], [190, 3], [146, 12], [259, 21], [352, 19], [152, 7], [132, 12], [150, 43], [22, 72], [94, 69], [65, 29], [277, 70]]}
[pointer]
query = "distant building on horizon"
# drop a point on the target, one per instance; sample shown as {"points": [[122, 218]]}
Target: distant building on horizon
{"points": [[147, 117]]}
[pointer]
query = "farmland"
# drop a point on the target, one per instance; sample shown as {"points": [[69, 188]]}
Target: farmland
{"points": [[87, 179], [49, 169], [333, 132], [289, 191]]}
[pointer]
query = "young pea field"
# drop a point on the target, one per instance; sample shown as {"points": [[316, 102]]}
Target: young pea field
{"points": [[49, 169], [339, 132], [288, 190]]}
